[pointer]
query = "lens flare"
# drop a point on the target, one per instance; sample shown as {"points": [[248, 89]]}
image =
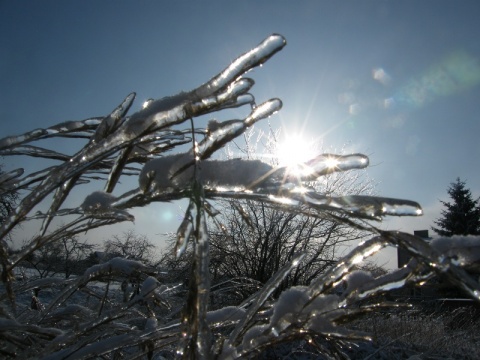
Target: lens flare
{"points": [[455, 73]]}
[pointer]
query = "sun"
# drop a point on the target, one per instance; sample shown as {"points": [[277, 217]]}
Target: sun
{"points": [[294, 150]]}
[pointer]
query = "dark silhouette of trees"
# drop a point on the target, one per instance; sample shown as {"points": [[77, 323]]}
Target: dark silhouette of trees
{"points": [[258, 240], [68, 256], [462, 216], [130, 245]]}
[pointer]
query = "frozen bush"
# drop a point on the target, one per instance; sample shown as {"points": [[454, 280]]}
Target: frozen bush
{"points": [[149, 322]]}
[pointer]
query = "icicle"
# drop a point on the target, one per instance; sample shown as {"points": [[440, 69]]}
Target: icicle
{"points": [[117, 169], [196, 341], [184, 232], [202, 274]]}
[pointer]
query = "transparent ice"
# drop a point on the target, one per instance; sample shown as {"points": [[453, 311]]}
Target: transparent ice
{"points": [[146, 322]]}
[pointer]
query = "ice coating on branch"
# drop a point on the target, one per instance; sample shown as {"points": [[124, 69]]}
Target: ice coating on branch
{"points": [[264, 110], [184, 232], [297, 310], [370, 206], [462, 250], [326, 164], [159, 174], [243, 63]]}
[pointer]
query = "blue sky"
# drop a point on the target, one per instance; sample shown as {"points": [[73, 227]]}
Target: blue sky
{"points": [[397, 80]]}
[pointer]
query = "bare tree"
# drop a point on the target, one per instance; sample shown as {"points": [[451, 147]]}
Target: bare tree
{"points": [[258, 247], [45, 260], [67, 256], [130, 245], [74, 255]]}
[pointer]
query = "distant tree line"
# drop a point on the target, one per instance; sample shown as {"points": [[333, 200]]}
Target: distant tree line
{"points": [[72, 256]]}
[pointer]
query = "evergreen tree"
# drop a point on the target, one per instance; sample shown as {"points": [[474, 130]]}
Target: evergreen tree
{"points": [[462, 217]]}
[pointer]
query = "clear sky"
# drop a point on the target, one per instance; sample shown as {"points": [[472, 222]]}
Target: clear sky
{"points": [[397, 80]]}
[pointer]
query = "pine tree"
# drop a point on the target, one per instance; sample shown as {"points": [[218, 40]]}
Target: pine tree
{"points": [[462, 217]]}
